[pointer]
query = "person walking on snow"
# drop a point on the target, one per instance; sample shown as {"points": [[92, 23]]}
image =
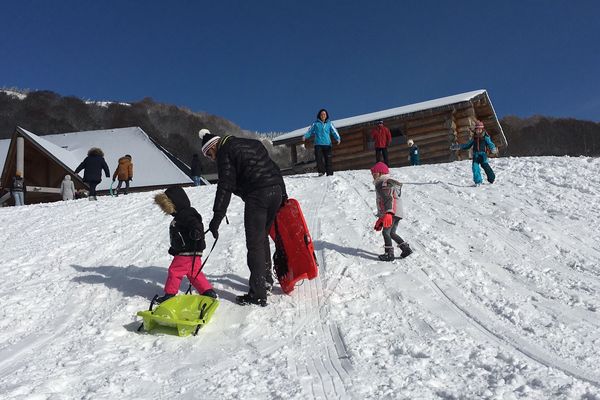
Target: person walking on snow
{"points": [[196, 170], [17, 189], [389, 211], [382, 138], [186, 233], [322, 129], [124, 172], [246, 170], [93, 165], [67, 188], [413, 153], [480, 142]]}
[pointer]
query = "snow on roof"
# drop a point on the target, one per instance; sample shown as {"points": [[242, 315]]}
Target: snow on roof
{"points": [[151, 166], [359, 119]]}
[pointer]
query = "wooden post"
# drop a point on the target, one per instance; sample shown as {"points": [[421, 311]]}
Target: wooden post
{"points": [[294, 154]]}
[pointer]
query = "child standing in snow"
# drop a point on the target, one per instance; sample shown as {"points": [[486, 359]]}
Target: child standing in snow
{"points": [[480, 142], [389, 211], [186, 234]]}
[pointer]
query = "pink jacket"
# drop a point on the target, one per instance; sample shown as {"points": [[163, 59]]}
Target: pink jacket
{"points": [[388, 193]]}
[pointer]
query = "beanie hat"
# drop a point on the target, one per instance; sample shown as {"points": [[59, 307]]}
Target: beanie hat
{"points": [[410, 142], [479, 124], [380, 168], [208, 140]]}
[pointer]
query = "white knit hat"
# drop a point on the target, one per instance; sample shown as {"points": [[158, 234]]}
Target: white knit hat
{"points": [[208, 140]]}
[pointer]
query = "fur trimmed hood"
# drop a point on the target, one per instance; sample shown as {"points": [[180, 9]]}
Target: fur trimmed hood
{"points": [[95, 151], [172, 200]]}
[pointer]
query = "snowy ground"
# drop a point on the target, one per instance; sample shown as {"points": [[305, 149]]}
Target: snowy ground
{"points": [[499, 301]]}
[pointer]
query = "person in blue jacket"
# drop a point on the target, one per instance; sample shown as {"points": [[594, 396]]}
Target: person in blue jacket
{"points": [[480, 142], [322, 129]]}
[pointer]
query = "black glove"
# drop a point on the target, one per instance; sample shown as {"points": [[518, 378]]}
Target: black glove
{"points": [[284, 199], [114, 179], [213, 227]]}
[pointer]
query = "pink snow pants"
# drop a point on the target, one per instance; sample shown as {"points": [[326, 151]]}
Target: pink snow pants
{"points": [[182, 266]]}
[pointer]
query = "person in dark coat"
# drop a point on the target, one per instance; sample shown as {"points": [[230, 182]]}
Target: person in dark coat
{"points": [[382, 138], [196, 170], [93, 165], [17, 189], [413, 153], [186, 233], [246, 170]]}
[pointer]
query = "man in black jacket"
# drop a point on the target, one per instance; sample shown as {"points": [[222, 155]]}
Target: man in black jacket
{"points": [[246, 170]]}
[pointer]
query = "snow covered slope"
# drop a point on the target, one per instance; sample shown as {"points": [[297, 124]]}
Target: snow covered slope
{"points": [[500, 299]]}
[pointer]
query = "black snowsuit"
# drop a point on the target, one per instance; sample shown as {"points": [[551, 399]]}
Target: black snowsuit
{"points": [[246, 170]]}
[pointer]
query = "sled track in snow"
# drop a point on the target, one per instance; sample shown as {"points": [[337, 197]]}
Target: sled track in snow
{"points": [[488, 328], [325, 369]]}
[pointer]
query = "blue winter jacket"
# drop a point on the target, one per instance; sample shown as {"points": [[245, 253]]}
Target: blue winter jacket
{"points": [[322, 132], [480, 146]]}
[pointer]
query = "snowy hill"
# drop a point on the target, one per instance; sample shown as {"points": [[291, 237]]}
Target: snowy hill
{"points": [[500, 299]]}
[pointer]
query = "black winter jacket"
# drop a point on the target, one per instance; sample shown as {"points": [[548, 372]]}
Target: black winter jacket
{"points": [[93, 164], [243, 165], [186, 231]]}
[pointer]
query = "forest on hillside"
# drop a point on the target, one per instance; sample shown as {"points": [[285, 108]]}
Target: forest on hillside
{"points": [[175, 128]]}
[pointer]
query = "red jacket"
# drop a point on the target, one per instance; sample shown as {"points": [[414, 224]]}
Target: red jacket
{"points": [[381, 136]]}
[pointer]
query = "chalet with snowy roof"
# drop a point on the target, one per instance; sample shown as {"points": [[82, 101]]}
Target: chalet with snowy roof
{"points": [[45, 160], [433, 125]]}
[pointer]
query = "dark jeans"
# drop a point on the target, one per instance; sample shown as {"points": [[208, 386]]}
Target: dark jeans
{"points": [[93, 188], [381, 152], [323, 156], [126, 186], [259, 213], [389, 234]]}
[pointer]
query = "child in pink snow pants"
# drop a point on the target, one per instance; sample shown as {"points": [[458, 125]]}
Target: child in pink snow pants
{"points": [[186, 234]]}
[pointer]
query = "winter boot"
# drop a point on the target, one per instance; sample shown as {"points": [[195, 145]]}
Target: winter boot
{"points": [[247, 299], [406, 250], [210, 293], [166, 297], [388, 255]]}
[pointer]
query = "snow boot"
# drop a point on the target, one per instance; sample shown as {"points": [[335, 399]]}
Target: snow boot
{"points": [[247, 299], [165, 297], [388, 255], [210, 293], [406, 250]]}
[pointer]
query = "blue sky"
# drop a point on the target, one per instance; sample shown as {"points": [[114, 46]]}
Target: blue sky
{"points": [[270, 65]]}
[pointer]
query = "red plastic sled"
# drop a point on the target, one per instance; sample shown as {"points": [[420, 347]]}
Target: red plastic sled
{"points": [[294, 257]]}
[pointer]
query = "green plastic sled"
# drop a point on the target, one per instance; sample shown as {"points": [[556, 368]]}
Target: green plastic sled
{"points": [[184, 314]]}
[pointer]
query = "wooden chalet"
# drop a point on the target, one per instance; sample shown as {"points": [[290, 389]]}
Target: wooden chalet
{"points": [[433, 125], [45, 160]]}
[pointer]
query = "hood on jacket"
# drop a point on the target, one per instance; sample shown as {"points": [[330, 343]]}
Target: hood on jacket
{"points": [[172, 200], [125, 160], [67, 177], [95, 151]]}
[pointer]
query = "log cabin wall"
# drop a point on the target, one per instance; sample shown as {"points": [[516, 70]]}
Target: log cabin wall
{"points": [[433, 130]]}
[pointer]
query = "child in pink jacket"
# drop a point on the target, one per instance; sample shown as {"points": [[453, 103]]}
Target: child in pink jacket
{"points": [[389, 211]]}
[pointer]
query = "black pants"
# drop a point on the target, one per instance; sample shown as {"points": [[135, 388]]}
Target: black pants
{"points": [[389, 234], [126, 186], [93, 188], [381, 152], [323, 156], [259, 213]]}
